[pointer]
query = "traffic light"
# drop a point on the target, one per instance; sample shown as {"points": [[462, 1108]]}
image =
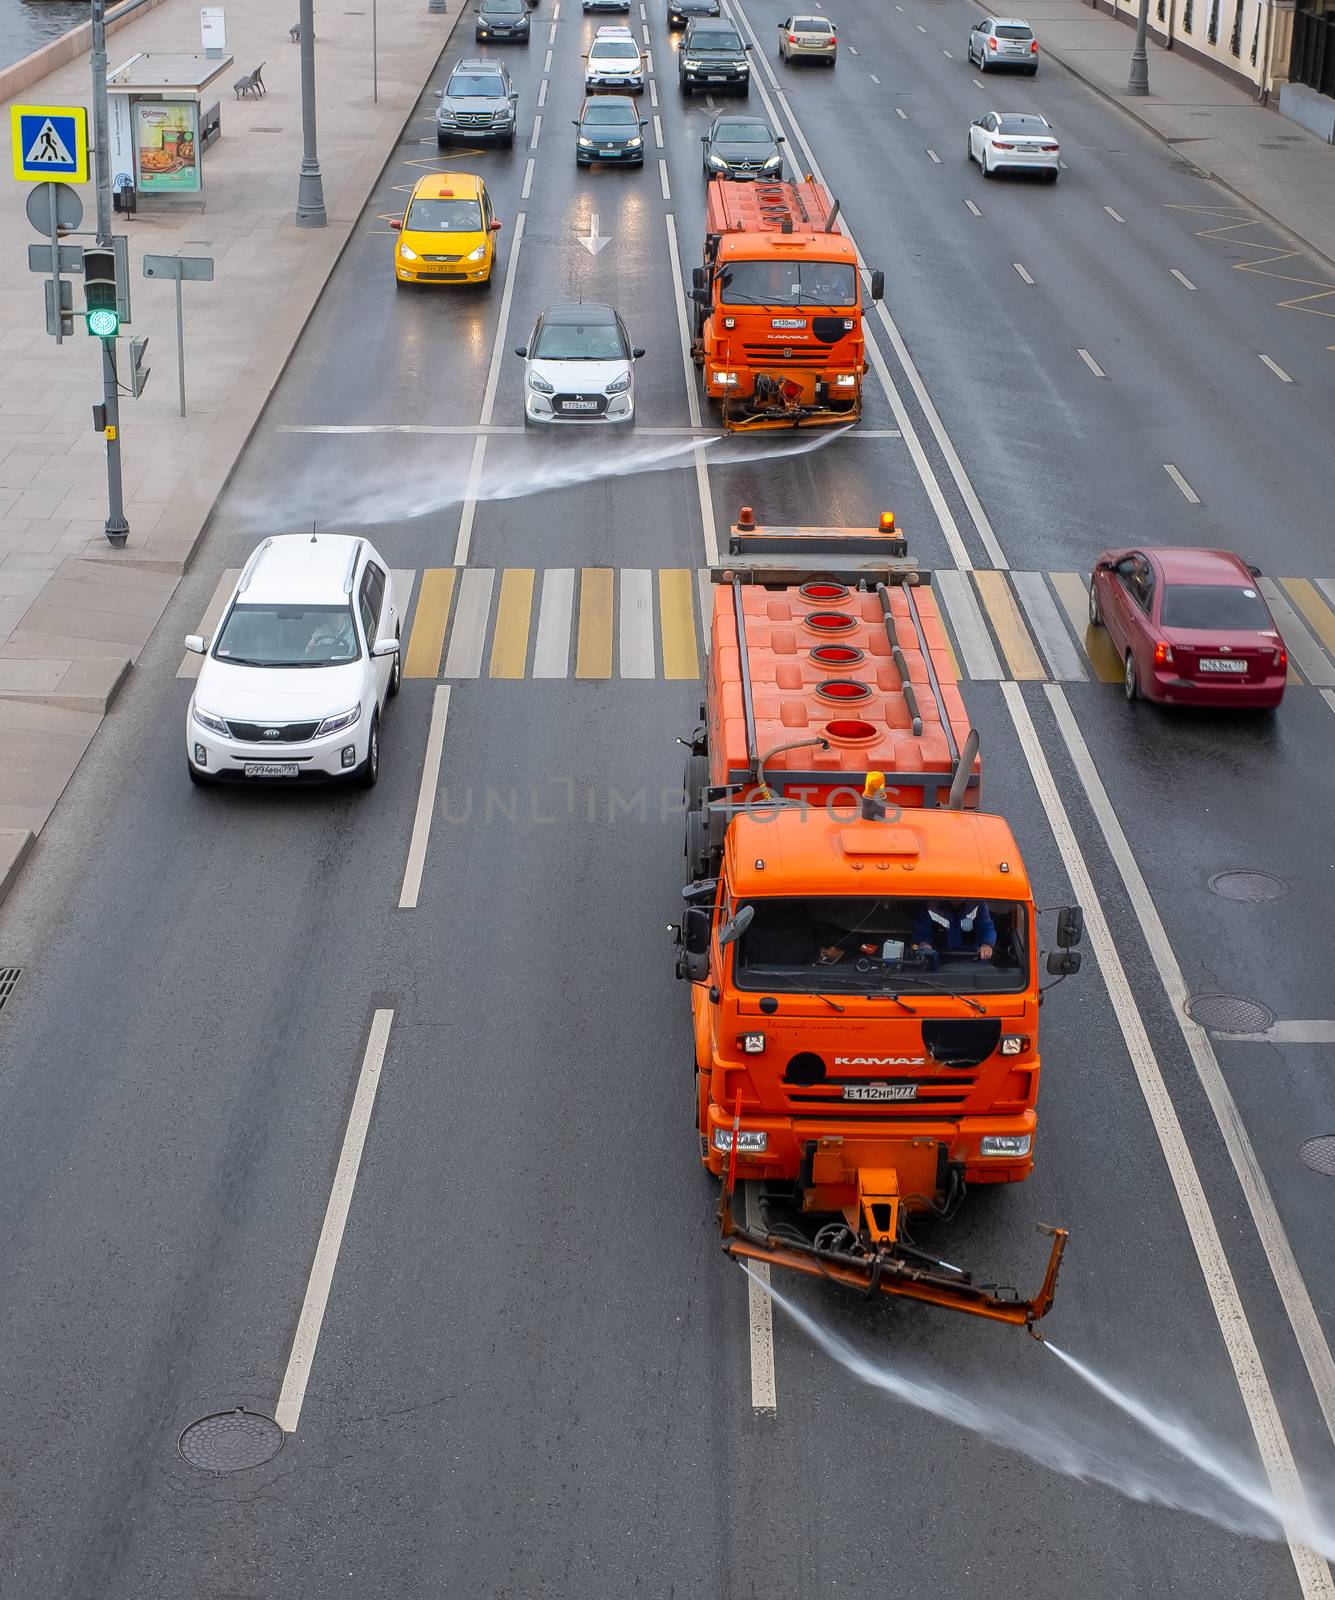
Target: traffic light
{"points": [[138, 371], [99, 292]]}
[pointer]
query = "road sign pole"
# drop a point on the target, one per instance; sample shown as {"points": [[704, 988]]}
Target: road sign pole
{"points": [[180, 345], [55, 260], [117, 528]]}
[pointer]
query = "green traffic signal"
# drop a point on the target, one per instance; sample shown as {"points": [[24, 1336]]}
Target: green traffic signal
{"points": [[104, 323]]}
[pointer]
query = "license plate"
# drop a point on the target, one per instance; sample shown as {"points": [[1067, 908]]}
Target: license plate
{"points": [[609, 149], [880, 1091], [787, 322], [579, 405], [271, 769], [1213, 664], [716, 77]]}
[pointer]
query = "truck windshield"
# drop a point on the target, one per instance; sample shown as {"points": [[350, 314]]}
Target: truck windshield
{"points": [[788, 283], [897, 945]]}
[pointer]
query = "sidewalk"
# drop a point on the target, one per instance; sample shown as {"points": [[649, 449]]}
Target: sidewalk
{"points": [[74, 613], [1278, 167]]}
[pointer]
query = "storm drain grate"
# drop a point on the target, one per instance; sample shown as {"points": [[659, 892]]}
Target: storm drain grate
{"points": [[1226, 1013], [1319, 1154], [1248, 885], [266, 130], [231, 1441], [9, 978]]}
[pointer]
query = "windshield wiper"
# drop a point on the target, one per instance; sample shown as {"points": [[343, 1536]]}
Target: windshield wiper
{"points": [[940, 988], [815, 994]]}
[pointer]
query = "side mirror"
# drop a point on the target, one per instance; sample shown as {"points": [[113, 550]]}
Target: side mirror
{"points": [[878, 284], [699, 279], [396, 223], [440, 94], [736, 926], [700, 296], [385, 647], [195, 642], [1255, 571], [574, 122], [1070, 926], [1106, 566], [521, 350], [513, 95], [780, 139], [702, 890], [704, 137], [636, 351], [1063, 963], [495, 224], [644, 122], [693, 937]]}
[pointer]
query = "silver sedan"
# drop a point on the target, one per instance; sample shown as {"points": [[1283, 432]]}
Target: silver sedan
{"points": [[808, 39], [1015, 141]]}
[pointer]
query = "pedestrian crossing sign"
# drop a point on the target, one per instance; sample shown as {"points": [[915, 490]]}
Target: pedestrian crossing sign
{"points": [[50, 143]]}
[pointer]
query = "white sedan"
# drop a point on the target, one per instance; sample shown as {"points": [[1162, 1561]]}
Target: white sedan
{"points": [[1015, 141], [579, 366]]}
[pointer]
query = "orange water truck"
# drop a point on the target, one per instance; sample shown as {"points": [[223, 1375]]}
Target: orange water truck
{"points": [[859, 934]]}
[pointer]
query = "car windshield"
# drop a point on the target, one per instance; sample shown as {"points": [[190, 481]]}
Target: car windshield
{"points": [[1202, 605], [443, 216], [743, 133], [606, 114], [789, 283], [579, 341], [1022, 124], [810, 25], [1010, 30], [502, 8], [614, 49], [879, 945], [475, 85], [716, 39], [288, 636]]}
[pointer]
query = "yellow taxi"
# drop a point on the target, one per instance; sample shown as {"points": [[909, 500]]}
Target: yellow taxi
{"points": [[448, 233]]}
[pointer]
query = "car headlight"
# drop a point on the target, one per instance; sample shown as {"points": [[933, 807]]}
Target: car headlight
{"points": [[748, 1139], [585, 144], [1004, 1144], [407, 253], [773, 161], [539, 385], [634, 144], [480, 254], [718, 163], [691, 63], [344, 719], [215, 724], [619, 385], [446, 119]]}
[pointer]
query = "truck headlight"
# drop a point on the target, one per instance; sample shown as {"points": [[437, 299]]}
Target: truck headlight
{"points": [[748, 1139], [753, 1044], [725, 377], [845, 380], [344, 719], [215, 724], [1012, 1044], [1004, 1144]]}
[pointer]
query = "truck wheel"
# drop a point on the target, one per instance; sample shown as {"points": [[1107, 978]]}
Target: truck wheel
{"points": [[697, 845], [695, 780]]}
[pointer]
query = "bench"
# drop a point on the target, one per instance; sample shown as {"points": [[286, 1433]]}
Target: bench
{"points": [[252, 83]]}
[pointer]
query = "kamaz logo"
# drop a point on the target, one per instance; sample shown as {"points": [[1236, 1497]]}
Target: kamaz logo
{"points": [[880, 1061]]}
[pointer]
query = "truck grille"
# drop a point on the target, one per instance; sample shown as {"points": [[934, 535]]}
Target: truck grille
{"points": [[288, 732], [934, 1095], [785, 353]]}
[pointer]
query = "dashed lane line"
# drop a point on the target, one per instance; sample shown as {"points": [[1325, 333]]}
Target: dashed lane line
{"points": [[542, 92], [658, 133], [663, 183], [1188, 493], [1113, 214], [1024, 276], [1274, 367], [1090, 362], [537, 132], [525, 192], [426, 799], [973, 209], [1183, 279], [901, 114], [932, 156]]}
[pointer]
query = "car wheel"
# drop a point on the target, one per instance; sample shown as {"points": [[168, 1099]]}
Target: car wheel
{"points": [[441, 141], [985, 164], [968, 149], [685, 87], [1032, 71], [396, 671], [982, 62], [199, 779], [1130, 686], [1095, 615], [1053, 176], [369, 774]]}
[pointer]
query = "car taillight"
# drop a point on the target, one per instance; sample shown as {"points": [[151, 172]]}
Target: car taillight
{"points": [[1281, 659], [792, 38], [1049, 147], [1033, 48], [1163, 654], [991, 44], [997, 145]]}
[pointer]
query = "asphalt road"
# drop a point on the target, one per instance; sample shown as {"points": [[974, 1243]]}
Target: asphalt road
{"points": [[534, 1374]]}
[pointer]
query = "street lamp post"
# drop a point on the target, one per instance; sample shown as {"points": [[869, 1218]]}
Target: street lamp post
{"points": [[1139, 81], [116, 528], [310, 186]]}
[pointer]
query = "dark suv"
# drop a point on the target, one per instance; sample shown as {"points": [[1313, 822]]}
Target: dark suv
{"points": [[478, 103], [502, 19], [712, 55]]}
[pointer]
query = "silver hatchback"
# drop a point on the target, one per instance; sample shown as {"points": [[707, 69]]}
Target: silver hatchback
{"points": [[1004, 42]]}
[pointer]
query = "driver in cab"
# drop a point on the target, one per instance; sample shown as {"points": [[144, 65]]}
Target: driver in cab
{"points": [[949, 927]]}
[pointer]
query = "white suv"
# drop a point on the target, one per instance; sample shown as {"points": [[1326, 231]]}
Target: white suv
{"points": [[295, 679], [614, 62]]}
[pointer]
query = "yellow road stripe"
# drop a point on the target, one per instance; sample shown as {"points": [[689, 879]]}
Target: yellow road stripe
{"points": [[1074, 595], [1304, 594], [509, 644], [593, 648], [427, 639], [1010, 630], [676, 607]]}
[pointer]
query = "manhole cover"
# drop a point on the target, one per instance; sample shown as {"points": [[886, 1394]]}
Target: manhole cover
{"points": [[1226, 1013], [1319, 1154], [1248, 885], [9, 977], [231, 1441]]}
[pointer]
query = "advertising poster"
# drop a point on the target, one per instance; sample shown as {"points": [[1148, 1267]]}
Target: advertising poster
{"points": [[166, 143]]}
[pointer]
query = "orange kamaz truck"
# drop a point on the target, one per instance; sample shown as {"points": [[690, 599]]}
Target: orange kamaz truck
{"points": [[860, 935], [778, 308]]}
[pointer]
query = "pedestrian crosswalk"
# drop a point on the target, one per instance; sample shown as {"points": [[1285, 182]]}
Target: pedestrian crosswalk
{"points": [[594, 624]]}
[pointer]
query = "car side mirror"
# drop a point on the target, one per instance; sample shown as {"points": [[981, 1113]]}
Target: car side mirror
{"points": [[704, 137], [574, 122], [1063, 963], [644, 122], [780, 139], [388, 646], [513, 95], [1255, 571], [194, 642], [1105, 566], [395, 222], [636, 352], [878, 284], [495, 224], [521, 350], [1070, 926], [440, 94]]}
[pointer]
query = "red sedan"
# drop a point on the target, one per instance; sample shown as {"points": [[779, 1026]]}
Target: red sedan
{"points": [[1191, 626]]}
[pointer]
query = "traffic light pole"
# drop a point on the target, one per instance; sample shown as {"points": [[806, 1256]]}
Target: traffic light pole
{"points": [[117, 529]]}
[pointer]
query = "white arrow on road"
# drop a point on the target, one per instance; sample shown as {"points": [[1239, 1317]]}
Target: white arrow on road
{"points": [[593, 241]]}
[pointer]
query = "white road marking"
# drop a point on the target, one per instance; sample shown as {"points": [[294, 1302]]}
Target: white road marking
{"points": [[537, 132], [1062, 165], [932, 155], [921, 29], [1316, 665], [467, 511], [966, 623], [426, 799], [901, 114], [1288, 1032], [973, 208], [556, 11], [760, 1321], [709, 101], [635, 625], [502, 320], [551, 37], [663, 185], [551, 648], [643, 14], [542, 92], [1328, 695], [1267, 1427], [1192, 497], [653, 93], [1045, 619], [528, 179], [1275, 368], [547, 64], [1113, 214], [1090, 362], [307, 1336], [645, 31], [874, 78], [1023, 274], [978, 82], [658, 132], [472, 612], [852, 50], [947, 55], [1182, 278]]}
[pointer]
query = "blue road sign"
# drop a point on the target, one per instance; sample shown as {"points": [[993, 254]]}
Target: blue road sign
{"points": [[50, 143]]}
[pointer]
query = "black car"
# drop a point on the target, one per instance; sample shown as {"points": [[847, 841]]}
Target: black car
{"points": [[502, 19], [607, 5], [713, 56], [680, 12], [609, 130], [742, 147]]}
